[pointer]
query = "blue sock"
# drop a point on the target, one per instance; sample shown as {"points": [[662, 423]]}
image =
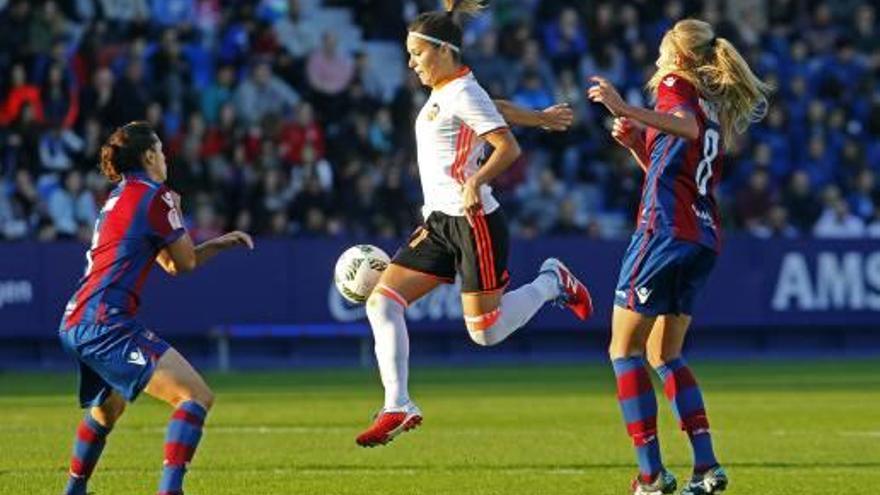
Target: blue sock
{"points": [[90, 439], [181, 441], [639, 405], [687, 403]]}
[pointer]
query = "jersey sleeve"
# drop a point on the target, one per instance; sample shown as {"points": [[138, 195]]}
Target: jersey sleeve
{"points": [[165, 225], [476, 109], [676, 93]]}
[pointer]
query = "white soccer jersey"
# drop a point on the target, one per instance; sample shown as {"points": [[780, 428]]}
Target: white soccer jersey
{"points": [[449, 146]]}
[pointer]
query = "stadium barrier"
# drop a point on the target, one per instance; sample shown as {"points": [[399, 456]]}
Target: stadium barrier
{"points": [[287, 284]]}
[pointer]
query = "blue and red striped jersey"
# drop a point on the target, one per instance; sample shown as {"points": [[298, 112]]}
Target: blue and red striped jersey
{"points": [[678, 192], [138, 219]]}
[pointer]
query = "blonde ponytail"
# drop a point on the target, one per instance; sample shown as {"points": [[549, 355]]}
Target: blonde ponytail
{"points": [[469, 7], [721, 75]]}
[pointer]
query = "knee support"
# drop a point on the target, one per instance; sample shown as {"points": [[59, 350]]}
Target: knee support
{"points": [[482, 327], [384, 303]]}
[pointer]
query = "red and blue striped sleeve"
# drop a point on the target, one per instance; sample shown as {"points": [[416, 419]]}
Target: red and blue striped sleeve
{"points": [[676, 93], [164, 220]]}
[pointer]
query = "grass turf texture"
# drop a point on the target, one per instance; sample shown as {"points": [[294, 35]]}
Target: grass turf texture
{"points": [[779, 428]]}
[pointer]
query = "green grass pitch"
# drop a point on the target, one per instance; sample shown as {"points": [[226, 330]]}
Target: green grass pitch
{"points": [[780, 428]]}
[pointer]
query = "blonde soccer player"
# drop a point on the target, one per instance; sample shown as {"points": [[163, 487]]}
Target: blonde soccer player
{"points": [[705, 94]]}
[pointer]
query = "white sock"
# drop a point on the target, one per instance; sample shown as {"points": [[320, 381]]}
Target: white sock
{"points": [[517, 308], [392, 347]]}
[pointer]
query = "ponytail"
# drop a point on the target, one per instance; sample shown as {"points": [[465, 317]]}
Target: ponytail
{"points": [[742, 97], [441, 27], [468, 7], [718, 71]]}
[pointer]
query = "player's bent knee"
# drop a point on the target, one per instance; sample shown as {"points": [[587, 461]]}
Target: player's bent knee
{"points": [[383, 302], [481, 327], [110, 411]]}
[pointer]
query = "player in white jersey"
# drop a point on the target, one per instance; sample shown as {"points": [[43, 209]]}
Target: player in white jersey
{"points": [[464, 230]]}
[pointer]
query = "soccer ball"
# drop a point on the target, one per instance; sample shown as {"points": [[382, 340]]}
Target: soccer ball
{"points": [[358, 270]]}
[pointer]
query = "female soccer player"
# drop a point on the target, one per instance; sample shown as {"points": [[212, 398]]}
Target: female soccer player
{"points": [[464, 230], [118, 357], [705, 93]]}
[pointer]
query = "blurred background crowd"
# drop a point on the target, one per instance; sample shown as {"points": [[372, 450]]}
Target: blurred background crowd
{"points": [[295, 117]]}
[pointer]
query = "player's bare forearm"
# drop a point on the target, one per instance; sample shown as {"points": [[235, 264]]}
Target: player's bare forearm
{"points": [[506, 151], [681, 124], [557, 117], [516, 115], [208, 249]]}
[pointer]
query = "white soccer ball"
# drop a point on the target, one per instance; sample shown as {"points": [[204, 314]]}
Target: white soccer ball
{"points": [[358, 270]]}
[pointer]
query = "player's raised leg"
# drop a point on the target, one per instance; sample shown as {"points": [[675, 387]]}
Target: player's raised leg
{"points": [[685, 397], [493, 316], [638, 403], [177, 383], [91, 436], [385, 310]]}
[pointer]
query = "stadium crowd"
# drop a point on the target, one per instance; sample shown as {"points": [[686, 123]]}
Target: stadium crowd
{"points": [[295, 117]]}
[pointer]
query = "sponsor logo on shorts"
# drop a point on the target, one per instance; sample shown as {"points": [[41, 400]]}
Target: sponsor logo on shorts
{"points": [[643, 294], [137, 357]]}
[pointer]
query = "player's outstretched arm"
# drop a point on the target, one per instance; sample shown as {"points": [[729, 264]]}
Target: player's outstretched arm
{"points": [[557, 117], [181, 256], [680, 123]]}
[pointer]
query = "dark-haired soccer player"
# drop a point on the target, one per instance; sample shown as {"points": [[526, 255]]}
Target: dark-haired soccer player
{"points": [[118, 357]]}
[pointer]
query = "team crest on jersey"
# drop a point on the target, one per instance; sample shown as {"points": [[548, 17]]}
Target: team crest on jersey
{"points": [[433, 112], [669, 81]]}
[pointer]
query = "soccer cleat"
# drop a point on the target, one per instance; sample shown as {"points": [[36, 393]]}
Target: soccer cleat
{"points": [[574, 294], [389, 424], [663, 484], [712, 481]]}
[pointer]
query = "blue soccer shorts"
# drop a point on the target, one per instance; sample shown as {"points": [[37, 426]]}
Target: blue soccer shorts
{"points": [[662, 275], [120, 357]]}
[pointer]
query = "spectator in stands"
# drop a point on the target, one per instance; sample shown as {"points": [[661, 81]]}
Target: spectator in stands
{"points": [[20, 94], [754, 202], [540, 200], [863, 196], [131, 95], [301, 132], [565, 40], [329, 69], [490, 67], [262, 93], [800, 201], [836, 221], [329, 72], [58, 147], [156, 59], [72, 208], [295, 32], [775, 225], [532, 93], [60, 98]]}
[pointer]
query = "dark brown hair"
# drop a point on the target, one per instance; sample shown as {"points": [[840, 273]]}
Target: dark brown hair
{"points": [[442, 25], [125, 148]]}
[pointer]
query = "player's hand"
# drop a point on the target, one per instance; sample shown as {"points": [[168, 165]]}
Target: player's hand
{"points": [[176, 198], [627, 132], [470, 196], [605, 93], [235, 238], [558, 117]]}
